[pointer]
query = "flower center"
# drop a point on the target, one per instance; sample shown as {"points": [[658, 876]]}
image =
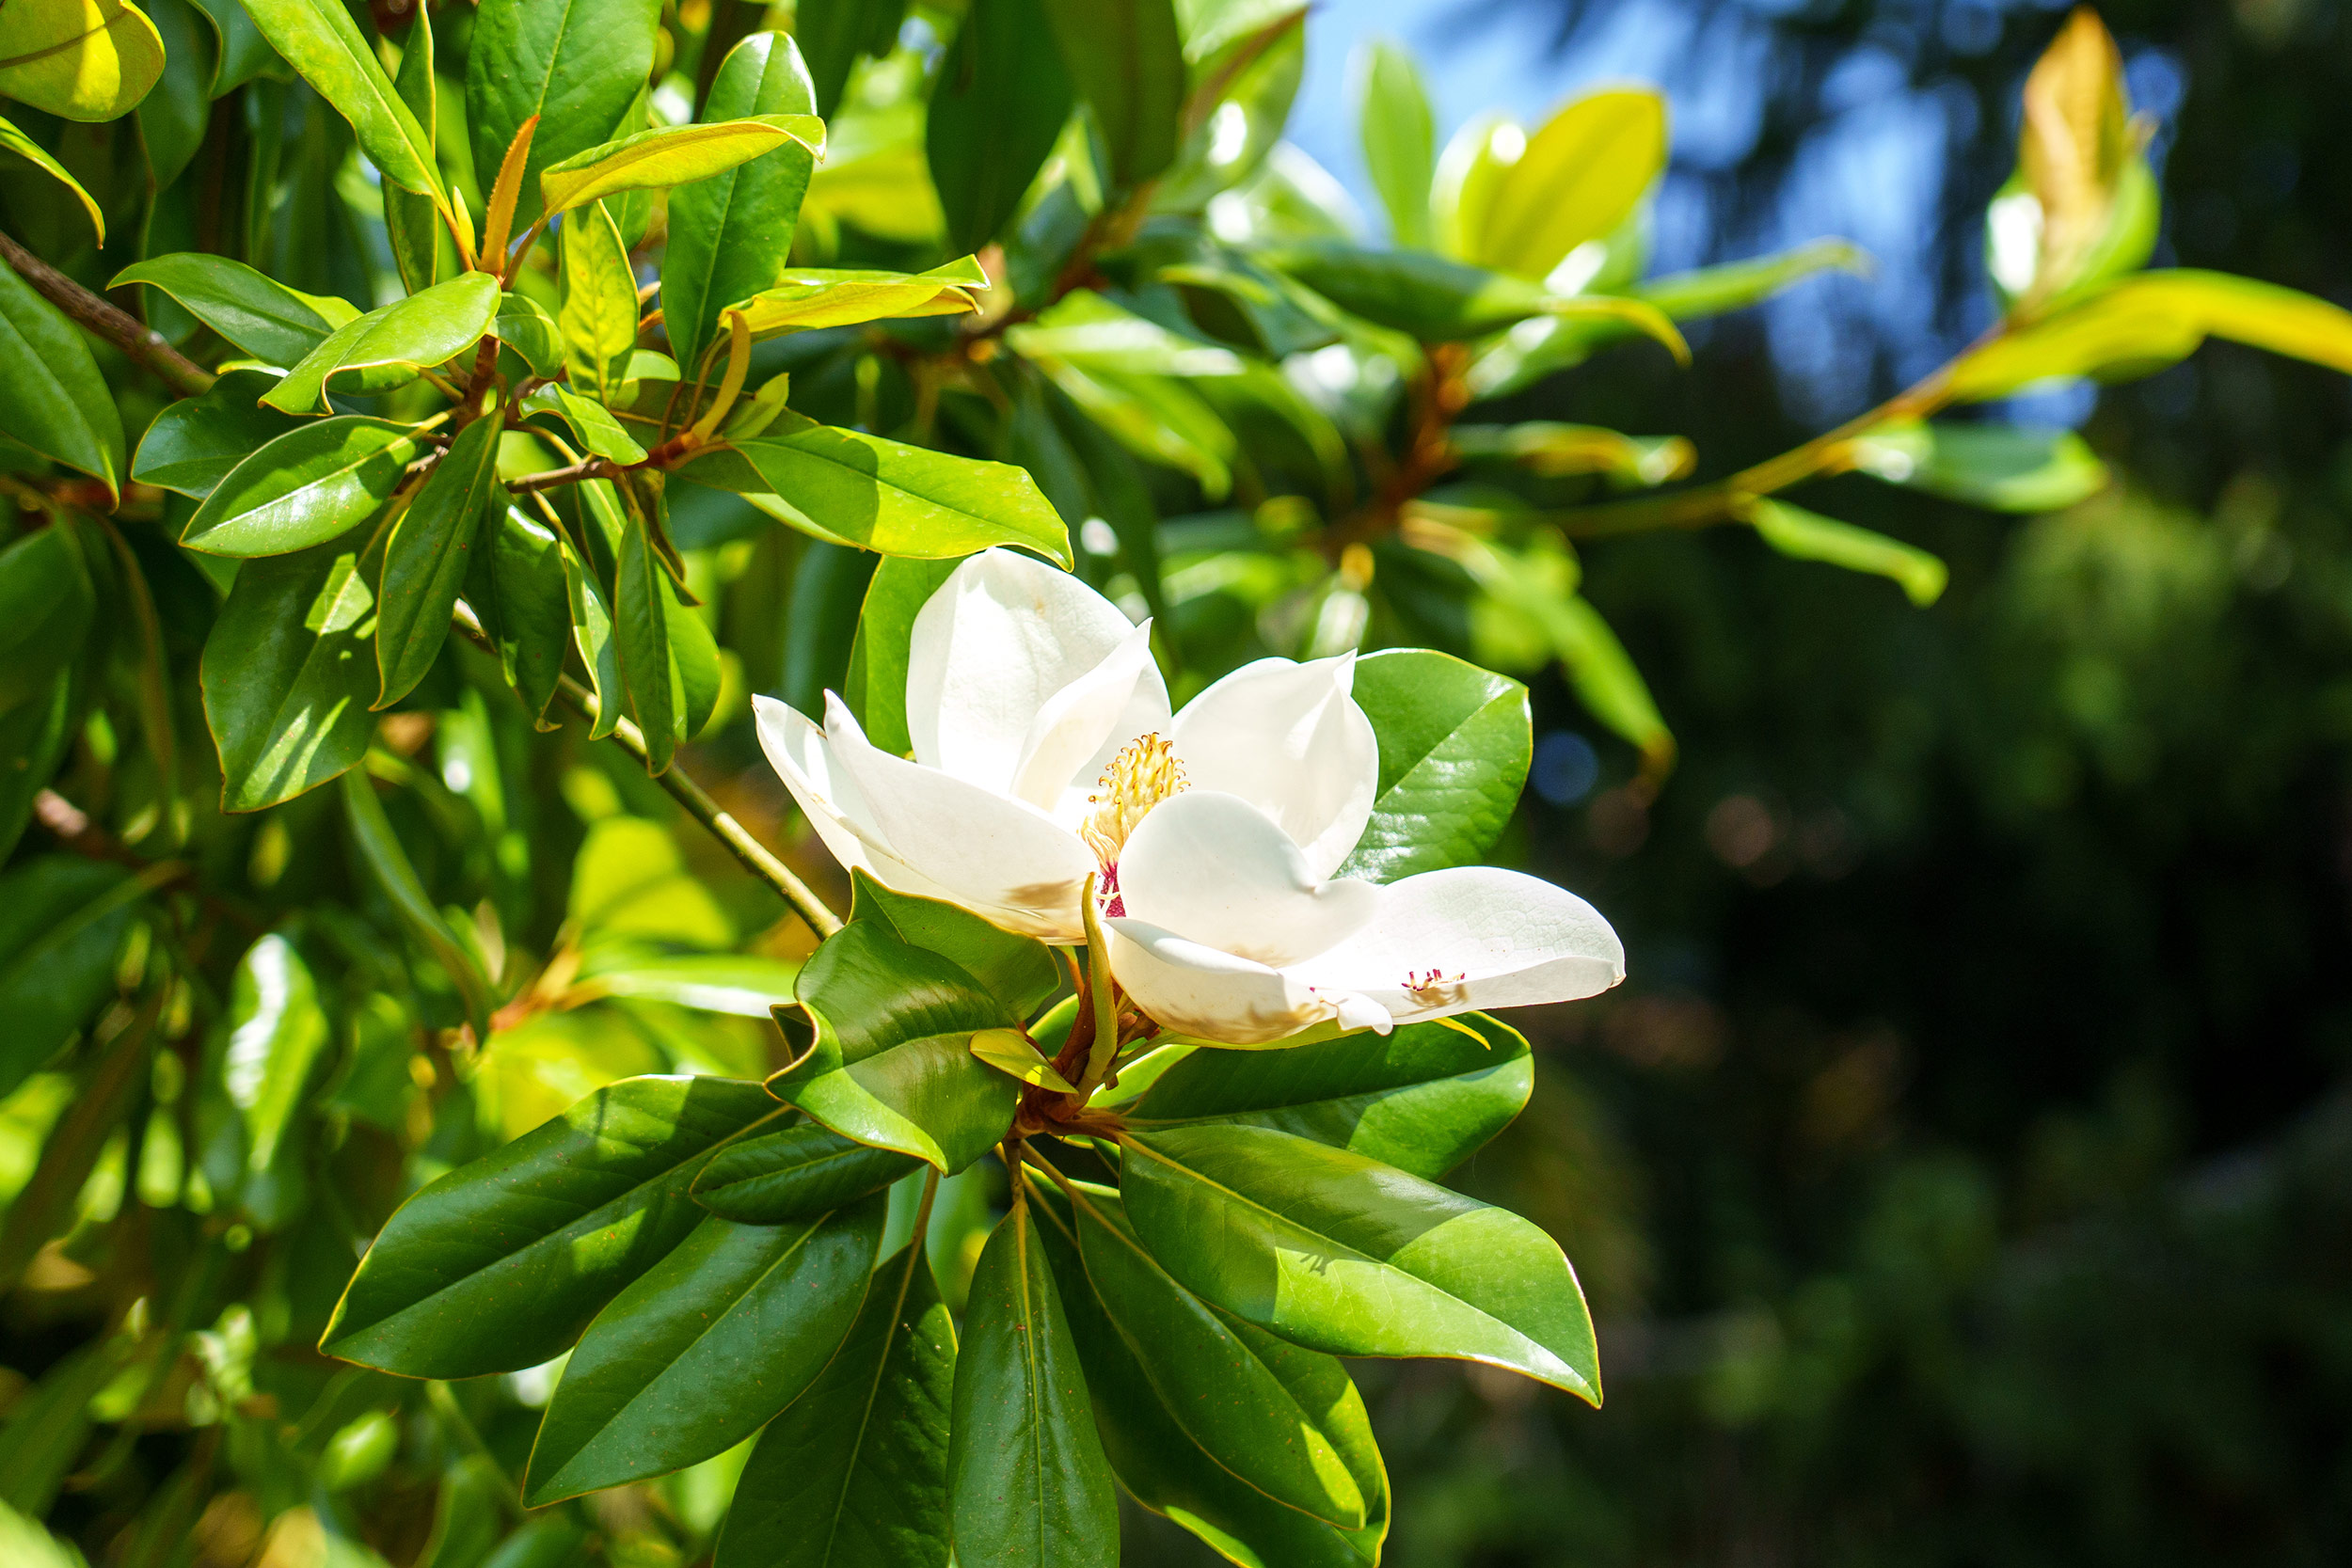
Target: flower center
{"points": [[1144, 773]]}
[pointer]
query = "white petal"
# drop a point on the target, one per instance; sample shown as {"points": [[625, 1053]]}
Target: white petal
{"points": [[999, 638], [1214, 869], [1082, 726], [1496, 939], [998, 856], [1199, 990], [1289, 740], [830, 798]]}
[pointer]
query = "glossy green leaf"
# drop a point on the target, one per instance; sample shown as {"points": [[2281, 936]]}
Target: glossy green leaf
{"points": [[599, 432], [731, 235], [590, 613], [515, 585], [388, 868], [314, 484], [746, 985], [79, 59], [794, 1173], [412, 222], [261, 315], [597, 317], [196, 442], [425, 560], [25, 147], [1735, 285], [852, 488], [1126, 58], [277, 1030], [1027, 1479], [1213, 1374], [524, 325], [674, 155], [1437, 300], [1156, 417], [1345, 1254], [996, 110], [1809, 536], [1166, 1470], [52, 397], [1018, 970], [244, 53], [891, 1062], [1009, 1052], [388, 347], [642, 603], [1552, 449], [1423, 1099], [501, 1263], [1400, 136], [1578, 178], [289, 670], [47, 604], [854, 1474], [1456, 744], [62, 919], [319, 38], [577, 65], [802, 299], [701, 1350], [876, 687], [2009, 467]]}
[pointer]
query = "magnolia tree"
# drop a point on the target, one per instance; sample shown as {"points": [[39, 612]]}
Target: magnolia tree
{"points": [[436, 1166]]}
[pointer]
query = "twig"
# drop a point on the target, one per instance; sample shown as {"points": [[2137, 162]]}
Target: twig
{"points": [[142, 342], [697, 801], [555, 478]]}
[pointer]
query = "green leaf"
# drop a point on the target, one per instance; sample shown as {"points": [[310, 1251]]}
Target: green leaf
{"points": [[597, 317], [47, 603], [2008, 468], [590, 613], [674, 155], [1027, 1479], [196, 442], [112, 1081], [387, 348], [2143, 323], [805, 298], [1552, 449], [745, 985], [794, 1173], [1455, 743], [1437, 300], [701, 1350], [289, 670], [1126, 58], [389, 866], [501, 1263], [1605, 678], [1009, 1052], [1018, 970], [593, 422], [79, 59], [1216, 1377], [259, 314], [875, 689], [1166, 1470], [1578, 178], [524, 325], [35, 734], [996, 110], [1809, 536], [891, 1063], [836, 32], [319, 38], [578, 65], [854, 1474], [411, 222], [515, 584], [642, 603], [1423, 1099], [25, 147], [52, 397], [62, 919], [277, 1028], [731, 235], [244, 54], [314, 484], [1735, 285], [1348, 1256], [425, 560], [850, 488], [1400, 136]]}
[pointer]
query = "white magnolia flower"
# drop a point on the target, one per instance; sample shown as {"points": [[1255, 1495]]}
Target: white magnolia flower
{"points": [[1046, 752]]}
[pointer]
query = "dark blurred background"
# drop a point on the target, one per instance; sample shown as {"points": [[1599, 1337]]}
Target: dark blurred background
{"points": [[1964, 1176]]}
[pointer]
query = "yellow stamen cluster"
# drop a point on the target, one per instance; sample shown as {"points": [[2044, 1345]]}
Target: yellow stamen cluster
{"points": [[1144, 773]]}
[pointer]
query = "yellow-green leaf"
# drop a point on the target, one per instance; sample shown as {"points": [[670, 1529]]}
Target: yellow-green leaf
{"points": [[597, 317], [1010, 1051], [674, 156], [2076, 144], [25, 147], [1809, 536], [79, 59], [319, 38], [1578, 178], [806, 298]]}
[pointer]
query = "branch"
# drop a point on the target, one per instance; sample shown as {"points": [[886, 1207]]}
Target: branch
{"points": [[553, 479], [142, 342], [697, 801]]}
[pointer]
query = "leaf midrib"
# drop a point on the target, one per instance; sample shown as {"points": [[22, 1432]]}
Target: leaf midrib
{"points": [[873, 1394]]}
